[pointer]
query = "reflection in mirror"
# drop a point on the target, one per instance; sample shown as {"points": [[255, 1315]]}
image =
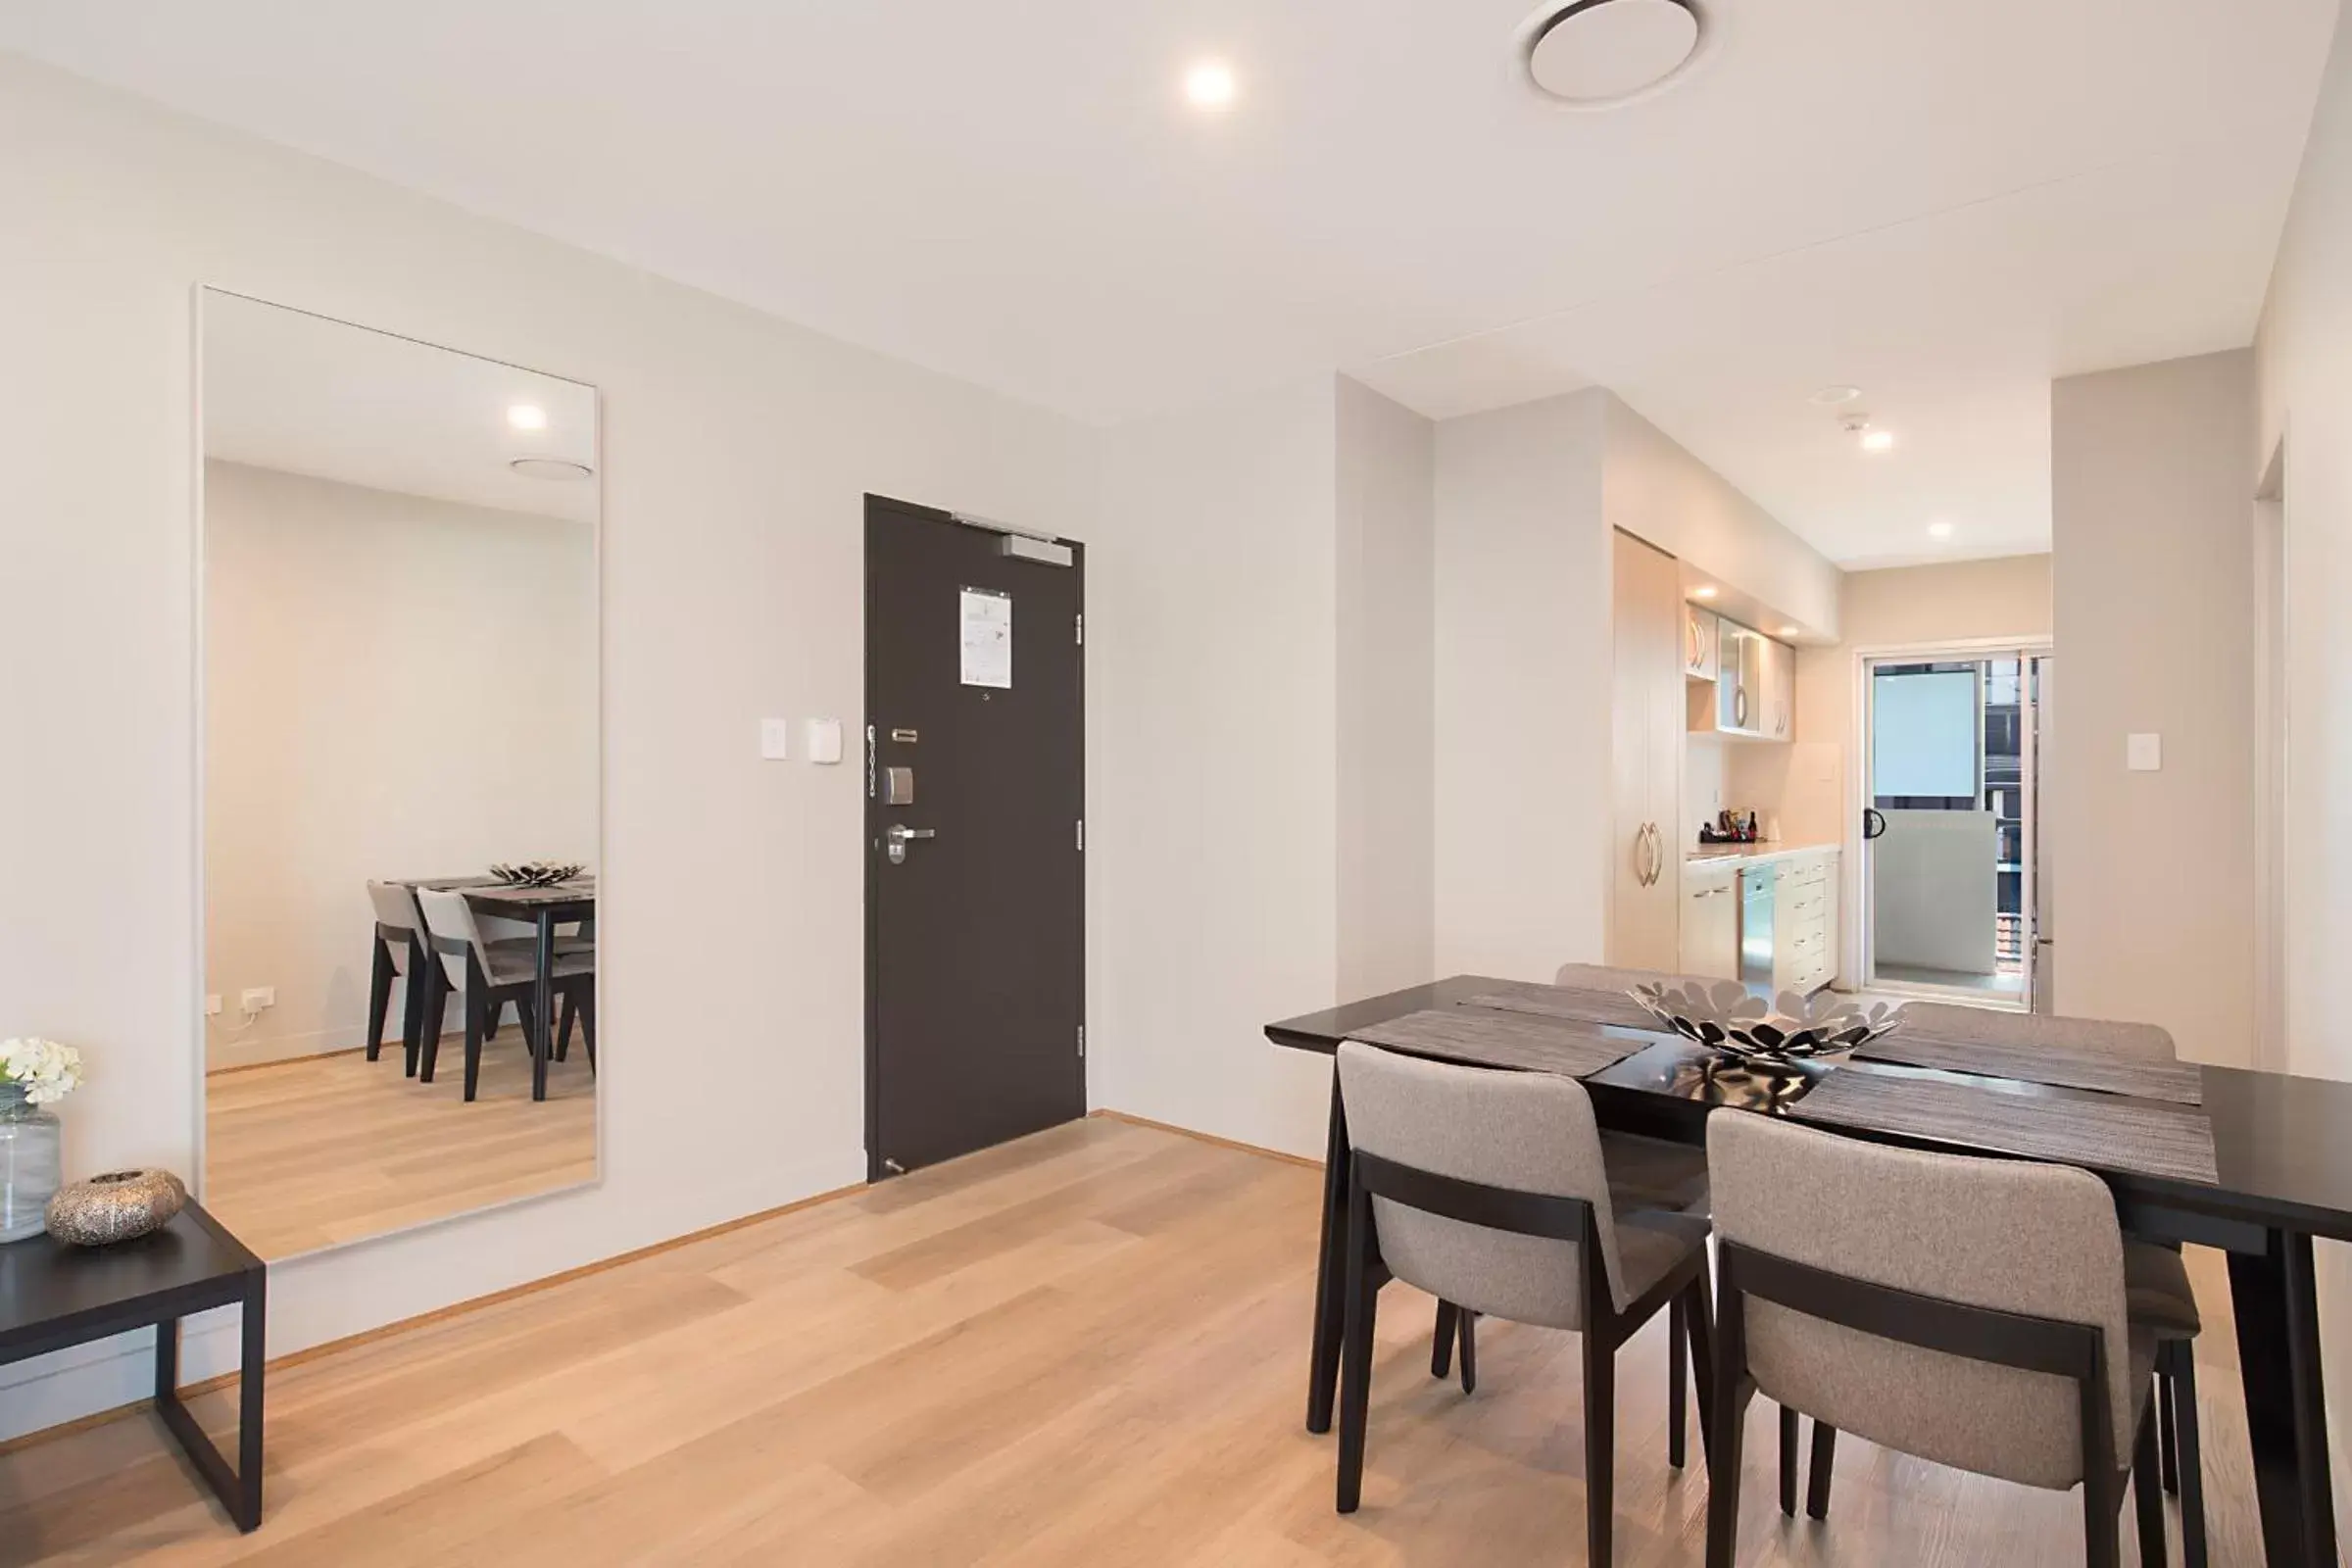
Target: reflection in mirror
{"points": [[401, 707]]}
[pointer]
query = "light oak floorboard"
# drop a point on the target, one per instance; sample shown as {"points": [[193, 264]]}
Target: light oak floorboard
{"points": [[324, 1149], [1083, 1348]]}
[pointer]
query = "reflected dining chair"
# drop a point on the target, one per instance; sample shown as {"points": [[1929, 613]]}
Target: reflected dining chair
{"points": [[398, 937], [2156, 1281], [1498, 1192], [1964, 1310], [488, 975]]}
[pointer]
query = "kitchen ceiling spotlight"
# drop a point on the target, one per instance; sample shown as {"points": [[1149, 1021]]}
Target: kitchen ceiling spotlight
{"points": [[1939, 530], [1878, 440], [1829, 397], [1600, 54], [1707, 591], [1210, 86], [527, 417], [1792, 631]]}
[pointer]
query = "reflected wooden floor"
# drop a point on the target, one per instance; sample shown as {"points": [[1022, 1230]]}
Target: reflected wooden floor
{"points": [[303, 1155], [1083, 1348]]}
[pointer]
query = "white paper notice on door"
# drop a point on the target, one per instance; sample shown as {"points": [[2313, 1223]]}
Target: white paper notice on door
{"points": [[987, 615]]}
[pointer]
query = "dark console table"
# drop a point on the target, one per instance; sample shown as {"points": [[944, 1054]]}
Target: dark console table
{"points": [[53, 1296]]}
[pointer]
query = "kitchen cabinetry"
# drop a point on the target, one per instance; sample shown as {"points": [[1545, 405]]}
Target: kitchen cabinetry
{"points": [[1777, 705], [1701, 627], [1711, 922], [1754, 693], [1645, 845], [1804, 955]]}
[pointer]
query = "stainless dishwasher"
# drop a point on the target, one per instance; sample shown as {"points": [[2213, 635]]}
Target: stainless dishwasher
{"points": [[1755, 924]]}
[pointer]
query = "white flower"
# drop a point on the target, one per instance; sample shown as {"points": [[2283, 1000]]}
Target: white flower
{"points": [[45, 1070]]}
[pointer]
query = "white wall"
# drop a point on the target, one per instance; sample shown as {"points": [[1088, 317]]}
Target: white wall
{"points": [[2303, 358], [1523, 688], [1213, 721], [737, 450], [1386, 698], [394, 687], [2150, 892]]}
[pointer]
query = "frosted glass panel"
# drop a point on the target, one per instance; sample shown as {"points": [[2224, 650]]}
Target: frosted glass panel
{"points": [[1924, 734]]}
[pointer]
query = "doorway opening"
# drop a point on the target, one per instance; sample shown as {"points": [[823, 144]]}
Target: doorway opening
{"points": [[1952, 746]]}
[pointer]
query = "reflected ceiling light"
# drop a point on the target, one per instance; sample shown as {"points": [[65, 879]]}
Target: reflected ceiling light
{"points": [[527, 417], [1707, 591], [1939, 530], [1210, 86], [550, 468], [1792, 631], [1831, 396]]}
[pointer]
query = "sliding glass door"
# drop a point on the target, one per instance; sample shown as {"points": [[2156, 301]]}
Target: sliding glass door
{"points": [[1951, 754]]}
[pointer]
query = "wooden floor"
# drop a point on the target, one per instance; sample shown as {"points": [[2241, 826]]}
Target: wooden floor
{"points": [[308, 1153], [1083, 1348]]}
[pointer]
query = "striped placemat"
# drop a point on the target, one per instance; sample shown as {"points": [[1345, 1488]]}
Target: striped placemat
{"points": [[1485, 1039], [1565, 1002], [2105, 1132], [2068, 1066]]}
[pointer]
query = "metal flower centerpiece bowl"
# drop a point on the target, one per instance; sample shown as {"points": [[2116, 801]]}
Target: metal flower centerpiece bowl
{"points": [[1765, 1037], [537, 874]]}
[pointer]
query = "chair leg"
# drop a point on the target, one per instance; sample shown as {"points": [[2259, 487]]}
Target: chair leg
{"points": [[563, 1027], [588, 1025], [2166, 1456], [1600, 1447], [1440, 1341], [1697, 1325], [379, 997], [431, 1009], [1466, 1331], [412, 994], [474, 1010], [1678, 1344], [1824, 1457], [1725, 1447], [498, 1010], [1788, 1461], [1355, 1359], [2183, 1380], [2102, 1524], [2148, 1494]]}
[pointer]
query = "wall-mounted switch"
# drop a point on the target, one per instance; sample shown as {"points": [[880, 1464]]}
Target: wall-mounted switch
{"points": [[775, 739], [824, 740], [2143, 754], [212, 1004]]}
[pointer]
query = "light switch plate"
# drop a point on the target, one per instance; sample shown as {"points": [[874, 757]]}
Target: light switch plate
{"points": [[824, 740], [2143, 754], [775, 739]]}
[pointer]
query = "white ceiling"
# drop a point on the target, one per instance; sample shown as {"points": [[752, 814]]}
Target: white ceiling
{"points": [[285, 389], [1944, 203]]}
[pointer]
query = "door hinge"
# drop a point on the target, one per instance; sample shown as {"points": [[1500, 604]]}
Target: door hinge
{"points": [[1082, 631], [1082, 1042], [1082, 835]]}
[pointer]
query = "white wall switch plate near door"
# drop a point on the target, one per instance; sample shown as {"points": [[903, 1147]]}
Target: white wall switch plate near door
{"points": [[2143, 754], [824, 740], [775, 739]]}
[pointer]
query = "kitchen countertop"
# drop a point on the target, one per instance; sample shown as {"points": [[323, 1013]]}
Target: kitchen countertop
{"points": [[1740, 855]]}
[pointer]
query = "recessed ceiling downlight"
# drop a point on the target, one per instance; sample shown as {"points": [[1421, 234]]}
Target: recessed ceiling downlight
{"points": [[1596, 54], [550, 468]]}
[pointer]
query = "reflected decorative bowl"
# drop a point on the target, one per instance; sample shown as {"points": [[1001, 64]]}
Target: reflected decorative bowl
{"points": [[537, 874], [1769, 1037], [118, 1207]]}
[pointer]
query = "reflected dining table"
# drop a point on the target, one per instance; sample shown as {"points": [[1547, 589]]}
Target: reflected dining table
{"points": [[543, 909], [2257, 1164]]}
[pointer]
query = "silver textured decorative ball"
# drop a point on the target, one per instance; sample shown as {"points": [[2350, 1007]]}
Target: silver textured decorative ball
{"points": [[116, 1206]]}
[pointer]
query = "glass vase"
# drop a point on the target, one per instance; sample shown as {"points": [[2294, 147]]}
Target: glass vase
{"points": [[31, 1163]]}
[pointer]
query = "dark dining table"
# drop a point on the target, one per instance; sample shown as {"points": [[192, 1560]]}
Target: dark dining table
{"points": [[543, 909], [2258, 1165]]}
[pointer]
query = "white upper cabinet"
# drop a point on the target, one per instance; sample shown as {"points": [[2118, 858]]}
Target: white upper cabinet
{"points": [[1754, 695], [1701, 628], [1777, 718]]}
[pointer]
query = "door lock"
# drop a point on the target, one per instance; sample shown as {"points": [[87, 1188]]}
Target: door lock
{"points": [[899, 834]]}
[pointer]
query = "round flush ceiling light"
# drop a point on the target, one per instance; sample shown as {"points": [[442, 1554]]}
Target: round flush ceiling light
{"points": [[550, 468], [527, 417], [1598, 54], [1832, 396], [1878, 440], [1210, 86], [1939, 530]]}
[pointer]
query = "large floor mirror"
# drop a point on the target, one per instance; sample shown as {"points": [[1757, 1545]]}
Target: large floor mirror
{"points": [[401, 752]]}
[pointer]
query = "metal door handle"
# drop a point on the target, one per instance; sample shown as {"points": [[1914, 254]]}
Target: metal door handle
{"points": [[898, 833]]}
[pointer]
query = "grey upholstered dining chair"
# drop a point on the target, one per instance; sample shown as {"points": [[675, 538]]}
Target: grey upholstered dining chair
{"points": [[1497, 1192], [488, 974], [1965, 1310], [399, 931], [2155, 1276]]}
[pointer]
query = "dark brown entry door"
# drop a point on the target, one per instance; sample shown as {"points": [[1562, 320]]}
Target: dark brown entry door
{"points": [[975, 849]]}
